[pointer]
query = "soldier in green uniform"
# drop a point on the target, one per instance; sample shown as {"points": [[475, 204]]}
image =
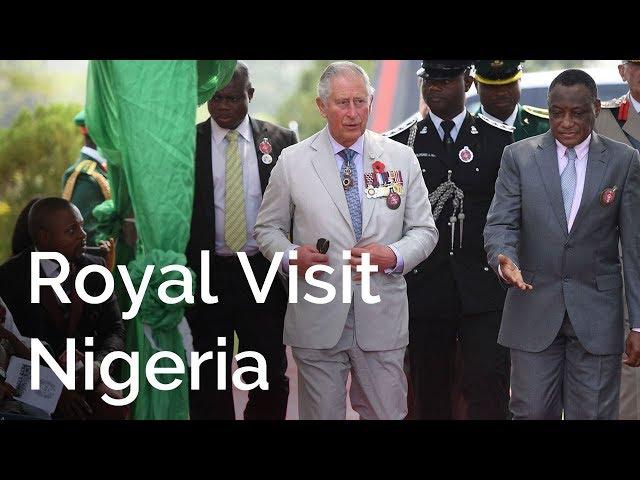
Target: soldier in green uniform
{"points": [[85, 182], [619, 119], [498, 85]]}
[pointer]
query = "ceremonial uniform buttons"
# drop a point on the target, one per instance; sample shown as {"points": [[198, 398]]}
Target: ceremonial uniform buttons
{"points": [[486, 269]]}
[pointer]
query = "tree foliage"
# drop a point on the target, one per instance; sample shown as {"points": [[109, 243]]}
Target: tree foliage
{"points": [[34, 153]]}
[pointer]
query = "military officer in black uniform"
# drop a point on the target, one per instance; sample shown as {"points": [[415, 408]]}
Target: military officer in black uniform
{"points": [[454, 295]]}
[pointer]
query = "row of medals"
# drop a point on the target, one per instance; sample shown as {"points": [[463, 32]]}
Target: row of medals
{"points": [[392, 190]]}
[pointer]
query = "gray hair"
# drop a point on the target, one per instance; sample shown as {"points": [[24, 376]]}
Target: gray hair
{"points": [[341, 68]]}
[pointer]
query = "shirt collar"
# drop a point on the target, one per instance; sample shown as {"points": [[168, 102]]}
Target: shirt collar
{"points": [[218, 133], [50, 267], [458, 119], [581, 149], [93, 153], [358, 147], [636, 103], [509, 121]]}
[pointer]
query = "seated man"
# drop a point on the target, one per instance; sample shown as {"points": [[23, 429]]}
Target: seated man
{"points": [[55, 225]]}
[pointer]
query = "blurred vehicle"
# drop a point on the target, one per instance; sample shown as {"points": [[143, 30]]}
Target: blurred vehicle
{"points": [[397, 94], [534, 87]]}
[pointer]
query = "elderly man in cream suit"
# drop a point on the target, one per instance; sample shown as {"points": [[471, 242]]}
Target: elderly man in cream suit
{"points": [[365, 194]]}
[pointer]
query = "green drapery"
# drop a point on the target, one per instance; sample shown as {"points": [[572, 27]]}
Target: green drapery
{"points": [[142, 116]]}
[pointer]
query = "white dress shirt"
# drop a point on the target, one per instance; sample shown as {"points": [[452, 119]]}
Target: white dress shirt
{"points": [[457, 120], [509, 121], [250, 180]]}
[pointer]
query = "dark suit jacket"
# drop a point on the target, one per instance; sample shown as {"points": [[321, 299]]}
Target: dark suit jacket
{"points": [[203, 220], [103, 321]]}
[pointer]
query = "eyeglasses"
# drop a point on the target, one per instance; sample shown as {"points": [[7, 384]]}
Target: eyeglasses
{"points": [[228, 98]]}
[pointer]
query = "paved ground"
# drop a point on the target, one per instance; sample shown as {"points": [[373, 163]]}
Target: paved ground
{"points": [[240, 397]]}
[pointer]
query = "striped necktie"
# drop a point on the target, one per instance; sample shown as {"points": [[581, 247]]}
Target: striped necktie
{"points": [[235, 222], [568, 180]]}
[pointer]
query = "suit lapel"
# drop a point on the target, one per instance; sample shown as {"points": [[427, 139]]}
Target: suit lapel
{"points": [[260, 133], [372, 152], [596, 167], [519, 124], [324, 163], [204, 176], [547, 160]]}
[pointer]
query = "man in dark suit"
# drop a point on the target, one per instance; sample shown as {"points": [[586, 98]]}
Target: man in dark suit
{"points": [[235, 154], [562, 203], [55, 225], [453, 294]]}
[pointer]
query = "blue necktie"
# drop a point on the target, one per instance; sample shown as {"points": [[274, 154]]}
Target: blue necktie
{"points": [[568, 180], [352, 193]]}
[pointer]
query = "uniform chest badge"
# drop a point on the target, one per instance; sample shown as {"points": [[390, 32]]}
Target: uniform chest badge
{"points": [[474, 130], [465, 155], [608, 196], [266, 149], [424, 130]]}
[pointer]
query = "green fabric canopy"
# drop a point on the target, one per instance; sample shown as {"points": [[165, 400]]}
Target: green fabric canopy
{"points": [[142, 115]]}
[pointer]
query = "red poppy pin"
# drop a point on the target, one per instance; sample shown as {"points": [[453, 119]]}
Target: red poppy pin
{"points": [[378, 166]]}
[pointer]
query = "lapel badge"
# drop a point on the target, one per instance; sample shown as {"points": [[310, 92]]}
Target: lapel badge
{"points": [[372, 155], [265, 147], [267, 159], [526, 120], [424, 130], [465, 155], [608, 196], [474, 130]]}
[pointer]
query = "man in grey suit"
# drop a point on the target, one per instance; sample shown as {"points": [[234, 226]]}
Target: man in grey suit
{"points": [[563, 201], [365, 194]]}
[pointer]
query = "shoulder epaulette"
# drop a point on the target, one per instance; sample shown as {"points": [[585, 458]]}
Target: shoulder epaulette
{"points": [[88, 167], [536, 112], [493, 123], [613, 103], [401, 128]]}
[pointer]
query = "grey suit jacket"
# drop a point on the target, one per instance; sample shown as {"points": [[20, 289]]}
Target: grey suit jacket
{"points": [[579, 271], [305, 187]]}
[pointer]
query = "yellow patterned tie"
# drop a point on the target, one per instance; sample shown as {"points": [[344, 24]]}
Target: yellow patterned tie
{"points": [[235, 222]]}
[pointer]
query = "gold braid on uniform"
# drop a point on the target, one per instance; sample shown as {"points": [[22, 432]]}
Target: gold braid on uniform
{"points": [[88, 167]]}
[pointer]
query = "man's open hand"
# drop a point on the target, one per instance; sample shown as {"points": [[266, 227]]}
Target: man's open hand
{"points": [[511, 274]]}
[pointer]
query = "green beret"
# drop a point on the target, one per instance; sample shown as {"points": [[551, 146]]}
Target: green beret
{"points": [[79, 119]]}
